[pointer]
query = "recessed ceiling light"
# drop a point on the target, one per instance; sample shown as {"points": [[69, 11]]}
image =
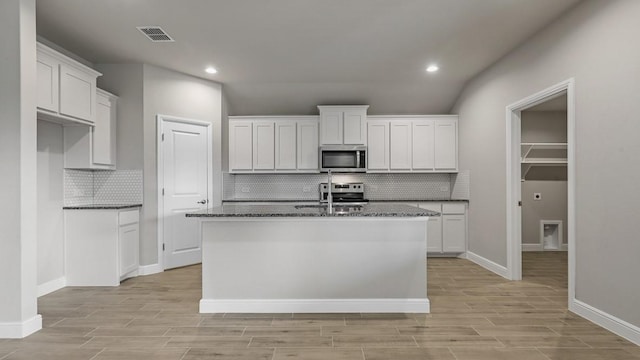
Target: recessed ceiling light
{"points": [[211, 70], [432, 68]]}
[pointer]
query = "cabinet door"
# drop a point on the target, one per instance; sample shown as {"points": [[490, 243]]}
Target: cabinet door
{"points": [[103, 133], [400, 145], [446, 144], [434, 228], [128, 238], [285, 145], [263, 145], [307, 145], [331, 127], [77, 93], [378, 145], [423, 145], [240, 146], [454, 233], [355, 127], [47, 82]]}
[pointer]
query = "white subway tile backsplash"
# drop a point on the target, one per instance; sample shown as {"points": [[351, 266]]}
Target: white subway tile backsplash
{"points": [[305, 186]]}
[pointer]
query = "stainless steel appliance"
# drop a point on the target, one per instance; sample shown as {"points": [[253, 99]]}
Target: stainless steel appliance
{"points": [[343, 158], [345, 193]]}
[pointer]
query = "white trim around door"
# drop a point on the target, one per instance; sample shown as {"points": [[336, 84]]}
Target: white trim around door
{"points": [[514, 219], [161, 119]]}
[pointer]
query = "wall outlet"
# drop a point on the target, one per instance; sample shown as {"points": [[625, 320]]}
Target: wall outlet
{"points": [[245, 189], [306, 189], [537, 196]]}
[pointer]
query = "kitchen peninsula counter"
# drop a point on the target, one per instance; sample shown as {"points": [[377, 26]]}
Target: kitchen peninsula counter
{"points": [[288, 259]]}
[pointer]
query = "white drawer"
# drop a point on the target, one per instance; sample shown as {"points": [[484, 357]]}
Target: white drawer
{"points": [[453, 208], [128, 217]]}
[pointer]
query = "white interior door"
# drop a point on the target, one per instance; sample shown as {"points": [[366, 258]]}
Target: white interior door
{"points": [[185, 177]]}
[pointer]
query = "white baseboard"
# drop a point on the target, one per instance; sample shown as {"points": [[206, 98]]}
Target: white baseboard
{"points": [[606, 320], [150, 269], [315, 306], [488, 264], [51, 286], [19, 330]]}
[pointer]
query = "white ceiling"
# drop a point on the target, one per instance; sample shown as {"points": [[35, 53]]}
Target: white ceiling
{"points": [[287, 56]]}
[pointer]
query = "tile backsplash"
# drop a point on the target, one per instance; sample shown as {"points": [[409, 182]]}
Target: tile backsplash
{"points": [[84, 187], [377, 186]]}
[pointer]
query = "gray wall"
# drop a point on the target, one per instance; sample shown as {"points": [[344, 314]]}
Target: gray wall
{"points": [[125, 81], [167, 92], [50, 202], [591, 44], [553, 206]]}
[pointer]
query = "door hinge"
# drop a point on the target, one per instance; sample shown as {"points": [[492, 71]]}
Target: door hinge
{"points": [[162, 246], [520, 203], [162, 136], [162, 191]]}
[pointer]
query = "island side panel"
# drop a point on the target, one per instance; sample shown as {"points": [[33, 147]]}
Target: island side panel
{"points": [[314, 265]]}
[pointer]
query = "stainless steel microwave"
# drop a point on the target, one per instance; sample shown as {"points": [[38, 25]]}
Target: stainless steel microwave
{"points": [[343, 158]]}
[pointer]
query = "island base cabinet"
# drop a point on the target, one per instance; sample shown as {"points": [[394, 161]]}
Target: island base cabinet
{"points": [[101, 246]]}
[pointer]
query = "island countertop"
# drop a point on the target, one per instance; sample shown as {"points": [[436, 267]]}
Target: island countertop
{"points": [[368, 210]]}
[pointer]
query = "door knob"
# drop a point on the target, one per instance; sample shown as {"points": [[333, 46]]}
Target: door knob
{"points": [[202, 202]]}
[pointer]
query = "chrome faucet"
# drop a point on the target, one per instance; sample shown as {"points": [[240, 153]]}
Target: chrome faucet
{"points": [[329, 194]]}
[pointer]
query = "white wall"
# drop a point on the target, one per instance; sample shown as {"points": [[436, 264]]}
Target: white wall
{"points": [[593, 43], [50, 202], [167, 92], [18, 214]]}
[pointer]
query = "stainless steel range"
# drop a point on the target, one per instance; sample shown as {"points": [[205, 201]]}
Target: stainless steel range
{"points": [[344, 193]]}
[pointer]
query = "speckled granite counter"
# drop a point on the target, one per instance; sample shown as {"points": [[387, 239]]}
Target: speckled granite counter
{"points": [[369, 210], [102, 207]]}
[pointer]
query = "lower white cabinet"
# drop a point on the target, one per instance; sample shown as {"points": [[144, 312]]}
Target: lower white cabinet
{"points": [[101, 246], [447, 233]]}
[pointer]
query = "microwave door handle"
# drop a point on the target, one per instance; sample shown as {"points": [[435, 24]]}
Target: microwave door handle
{"points": [[358, 159]]}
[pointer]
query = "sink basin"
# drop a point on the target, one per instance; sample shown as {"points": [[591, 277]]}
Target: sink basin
{"points": [[338, 208]]}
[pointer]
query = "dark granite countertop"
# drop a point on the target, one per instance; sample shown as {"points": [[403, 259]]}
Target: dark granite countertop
{"points": [[370, 210], [102, 206]]}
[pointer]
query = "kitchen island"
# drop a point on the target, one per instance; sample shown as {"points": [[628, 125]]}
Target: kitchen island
{"points": [[287, 258]]}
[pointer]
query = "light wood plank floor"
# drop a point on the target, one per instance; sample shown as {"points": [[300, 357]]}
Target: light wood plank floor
{"points": [[475, 315]]}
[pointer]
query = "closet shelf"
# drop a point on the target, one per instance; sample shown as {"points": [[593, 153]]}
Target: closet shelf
{"points": [[529, 159]]}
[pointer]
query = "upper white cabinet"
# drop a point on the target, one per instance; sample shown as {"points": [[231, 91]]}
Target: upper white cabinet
{"points": [[343, 125], [412, 143], [66, 89], [93, 147], [270, 144]]}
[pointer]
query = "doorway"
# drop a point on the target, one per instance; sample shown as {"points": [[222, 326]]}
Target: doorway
{"points": [[516, 170], [184, 185], [544, 192]]}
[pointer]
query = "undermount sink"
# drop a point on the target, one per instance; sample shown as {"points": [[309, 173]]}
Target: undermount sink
{"points": [[339, 208]]}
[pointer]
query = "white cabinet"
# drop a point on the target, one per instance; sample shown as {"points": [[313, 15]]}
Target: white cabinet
{"points": [[263, 145], [446, 234], [271, 144], [414, 143], [66, 89], [101, 246], [93, 147], [446, 144], [285, 144], [400, 145], [378, 145], [240, 146], [343, 125], [307, 145]]}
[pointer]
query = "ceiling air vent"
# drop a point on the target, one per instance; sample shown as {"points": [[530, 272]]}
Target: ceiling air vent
{"points": [[155, 33]]}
